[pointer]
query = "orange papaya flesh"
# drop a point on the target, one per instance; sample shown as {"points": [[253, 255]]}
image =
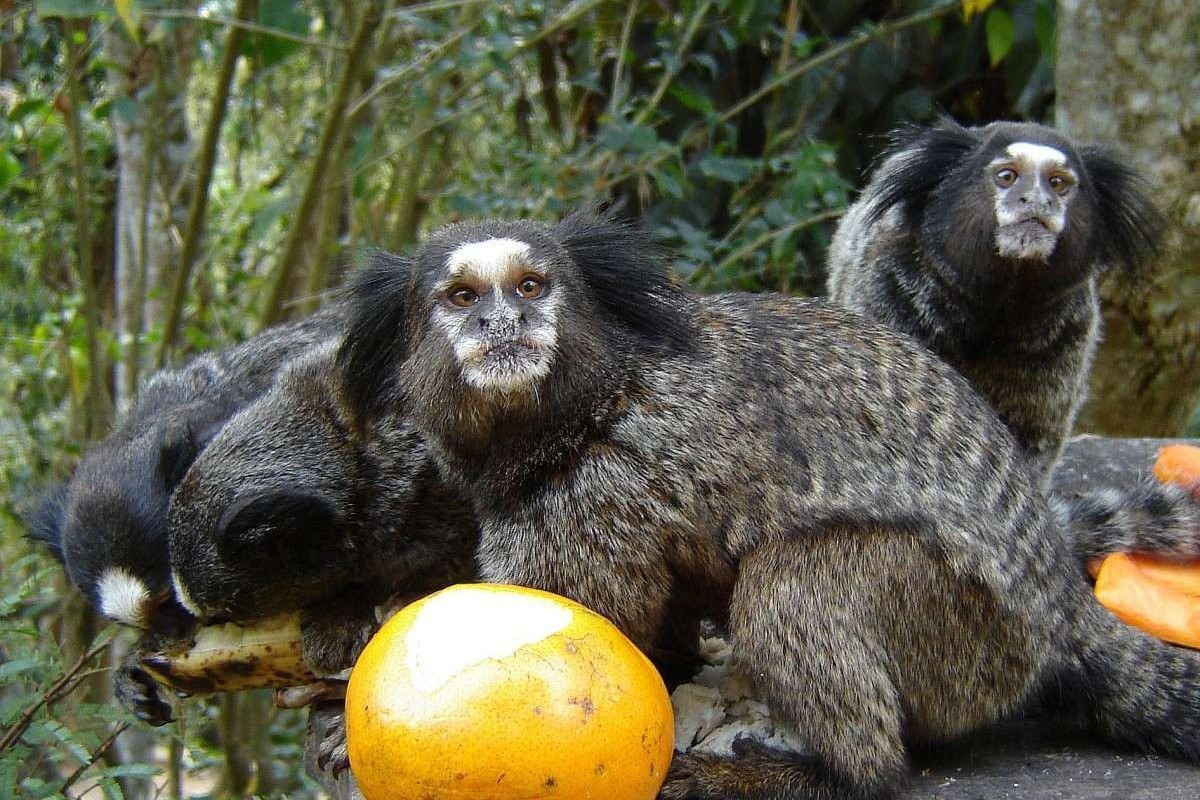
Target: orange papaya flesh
{"points": [[1141, 600], [1179, 464]]}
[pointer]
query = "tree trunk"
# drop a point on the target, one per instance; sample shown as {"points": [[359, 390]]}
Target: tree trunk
{"points": [[1128, 74]]}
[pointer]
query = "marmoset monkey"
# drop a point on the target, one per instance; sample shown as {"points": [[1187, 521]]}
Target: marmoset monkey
{"points": [[986, 245], [109, 524], [296, 507], [856, 515]]}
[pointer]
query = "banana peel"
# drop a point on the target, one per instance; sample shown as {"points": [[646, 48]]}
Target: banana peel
{"points": [[232, 657]]}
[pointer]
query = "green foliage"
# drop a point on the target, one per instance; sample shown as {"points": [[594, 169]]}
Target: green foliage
{"points": [[736, 130]]}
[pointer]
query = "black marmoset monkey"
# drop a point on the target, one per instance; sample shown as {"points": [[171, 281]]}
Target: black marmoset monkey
{"points": [[297, 507], [294, 506], [108, 525], [843, 501], [986, 244]]}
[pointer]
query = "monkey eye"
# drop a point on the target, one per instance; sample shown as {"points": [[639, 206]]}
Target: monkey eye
{"points": [[1006, 177], [1059, 184], [463, 297], [530, 287]]}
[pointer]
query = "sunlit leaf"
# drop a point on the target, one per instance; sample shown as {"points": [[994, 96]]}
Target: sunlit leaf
{"points": [[1001, 32], [973, 7], [127, 11]]}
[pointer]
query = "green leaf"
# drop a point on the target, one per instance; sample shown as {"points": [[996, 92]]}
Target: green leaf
{"points": [[1001, 32], [281, 15], [729, 170], [694, 100], [10, 168], [127, 12], [26, 107]]}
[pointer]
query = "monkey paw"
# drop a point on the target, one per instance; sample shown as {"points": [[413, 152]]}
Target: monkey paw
{"points": [[689, 778], [333, 756], [331, 642], [138, 692]]}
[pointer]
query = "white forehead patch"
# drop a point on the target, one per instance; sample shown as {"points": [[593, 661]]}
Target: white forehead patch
{"points": [[1039, 155], [489, 261], [183, 597], [123, 597]]}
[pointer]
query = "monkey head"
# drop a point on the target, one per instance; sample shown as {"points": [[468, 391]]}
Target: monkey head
{"points": [[476, 322], [496, 301], [1015, 205], [256, 526], [1033, 184], [108, 526]]}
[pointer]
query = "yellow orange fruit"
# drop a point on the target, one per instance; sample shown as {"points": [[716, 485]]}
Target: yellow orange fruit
{"points": [[498, 692]]}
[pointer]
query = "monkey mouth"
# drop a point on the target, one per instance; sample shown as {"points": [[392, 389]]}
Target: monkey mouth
{"points": [[1030, 239], [508, 366]]}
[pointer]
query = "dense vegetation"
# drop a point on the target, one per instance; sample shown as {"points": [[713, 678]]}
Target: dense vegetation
{"points": [[176, 174]]}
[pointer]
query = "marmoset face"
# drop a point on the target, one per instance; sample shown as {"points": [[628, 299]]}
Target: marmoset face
{"points": [[496, 303], [1033, 185]]}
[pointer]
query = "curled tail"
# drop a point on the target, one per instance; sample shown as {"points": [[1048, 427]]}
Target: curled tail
{"points": [[1137, 690], [1150, 517]]}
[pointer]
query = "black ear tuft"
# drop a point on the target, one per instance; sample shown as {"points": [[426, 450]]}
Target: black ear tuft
{"points": [[284, 524], [47, 518], [176, 452], [923, 156], [1129, 226], [376, 340], [629, 278]]}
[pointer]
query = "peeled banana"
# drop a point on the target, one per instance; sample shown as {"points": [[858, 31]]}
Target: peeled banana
{"points": [[231, 657]]}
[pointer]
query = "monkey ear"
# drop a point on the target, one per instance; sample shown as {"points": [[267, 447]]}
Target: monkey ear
{"points": [[376, 340], [291, 526], [1128, 226], [628, 276], [47, 518], [176, 453], [921, 156]]}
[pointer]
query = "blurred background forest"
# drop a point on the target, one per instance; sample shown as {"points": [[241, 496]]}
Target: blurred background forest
{"points": [[176, 174]]}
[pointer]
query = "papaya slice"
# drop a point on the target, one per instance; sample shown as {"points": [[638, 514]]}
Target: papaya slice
{"points": [[1179, 464], [1138, 598]]}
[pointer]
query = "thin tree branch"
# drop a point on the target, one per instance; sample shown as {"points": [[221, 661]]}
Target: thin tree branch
{"points": [[96, 406], [615, 96], [199, 200], [57, 690], [669, 74], [771, 235], [96, 756], [334, 118], [803, 67], [243, 25]]}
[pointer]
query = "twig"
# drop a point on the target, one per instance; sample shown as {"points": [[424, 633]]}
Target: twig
{"points": [[59, 689], [769, 236], [805, 66], [614, 98], [243, 24], [96, 756], [669, 74]]}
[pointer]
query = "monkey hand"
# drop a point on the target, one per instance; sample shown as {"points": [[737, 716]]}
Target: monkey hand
{"points": [[333, 634], [333, 755], [137, 691]]}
